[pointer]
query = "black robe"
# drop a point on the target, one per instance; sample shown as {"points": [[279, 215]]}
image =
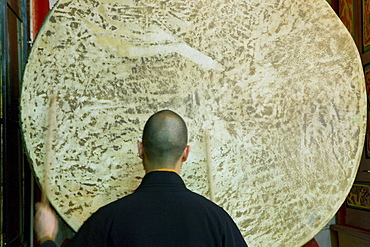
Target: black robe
{"points": [[161, 212]]}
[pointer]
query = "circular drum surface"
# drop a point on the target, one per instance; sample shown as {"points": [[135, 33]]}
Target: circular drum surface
{"points": [[279, 85]]}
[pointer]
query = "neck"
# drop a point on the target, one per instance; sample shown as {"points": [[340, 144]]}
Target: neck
{"points": [[148, 168], [175, 168]]}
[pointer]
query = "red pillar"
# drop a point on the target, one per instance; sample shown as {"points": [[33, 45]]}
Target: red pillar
{"points": [[40, 10]]}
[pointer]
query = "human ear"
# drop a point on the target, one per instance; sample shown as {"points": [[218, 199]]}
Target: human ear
{"points": [[140, 152], [185, 154]]}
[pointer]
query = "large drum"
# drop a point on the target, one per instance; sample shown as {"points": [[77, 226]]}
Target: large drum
{"points": [[278, 84]]}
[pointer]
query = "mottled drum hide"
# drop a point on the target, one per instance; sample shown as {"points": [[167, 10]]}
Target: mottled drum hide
{"points": [[278, 83]]}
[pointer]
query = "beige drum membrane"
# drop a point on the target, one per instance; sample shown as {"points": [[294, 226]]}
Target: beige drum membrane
{"points": [[278, 84]]}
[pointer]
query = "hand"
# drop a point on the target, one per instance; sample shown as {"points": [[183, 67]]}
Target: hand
{"points": [[46, 223]]}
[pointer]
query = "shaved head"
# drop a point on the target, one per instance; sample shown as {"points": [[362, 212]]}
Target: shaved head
{"points": [[165, 137]]}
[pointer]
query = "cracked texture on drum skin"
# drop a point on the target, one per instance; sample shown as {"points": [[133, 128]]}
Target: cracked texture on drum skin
{"points": [[279, 84]]}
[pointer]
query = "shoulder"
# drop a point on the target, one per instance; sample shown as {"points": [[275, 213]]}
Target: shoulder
{"points": [[219, 217], [209, 206], [95, 230], [203, 200], [112, 207]]}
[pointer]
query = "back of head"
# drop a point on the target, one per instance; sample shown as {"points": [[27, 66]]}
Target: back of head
{"points": [[165, 137]]}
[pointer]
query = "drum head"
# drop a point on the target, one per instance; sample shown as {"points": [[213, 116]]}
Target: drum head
{"points": [[278, 84]]}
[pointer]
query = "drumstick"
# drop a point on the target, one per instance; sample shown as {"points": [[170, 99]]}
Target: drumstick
{"points": [[209, 166], [48, 148]]}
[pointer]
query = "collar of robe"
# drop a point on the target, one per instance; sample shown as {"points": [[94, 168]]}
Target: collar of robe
{"points": [[165, 170]]}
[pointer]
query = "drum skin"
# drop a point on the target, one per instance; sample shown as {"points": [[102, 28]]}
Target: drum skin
{"points": [[278, 84]]}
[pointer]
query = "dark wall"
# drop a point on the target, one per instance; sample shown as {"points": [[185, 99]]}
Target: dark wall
{"points": [[15, 172]]}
